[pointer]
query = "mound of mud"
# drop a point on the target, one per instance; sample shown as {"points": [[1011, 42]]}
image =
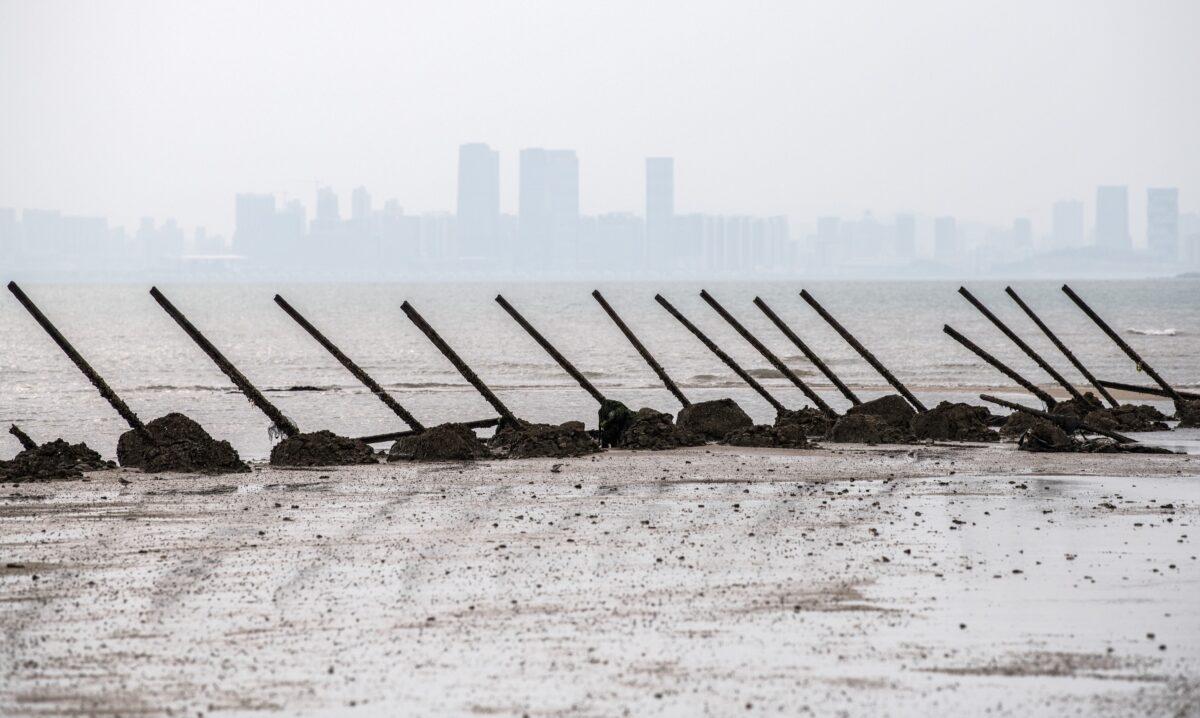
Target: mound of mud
{"points": [[445, 442], [655, 431], [321, 448], [1188, 413], [179, 444], [526, 440], [713, 419], [953, 422], [810, 421], [892, 408], [54, 461], [866, 429], [1017, 423], [1044, 435], [1126, 417], [783, 436], [614, 419], [1076, 408]]}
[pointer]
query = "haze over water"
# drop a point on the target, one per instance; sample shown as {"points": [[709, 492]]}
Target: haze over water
{"points": [[155, 367]]}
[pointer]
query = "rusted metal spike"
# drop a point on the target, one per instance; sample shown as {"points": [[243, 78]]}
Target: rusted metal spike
{"points": [[650, 360], [26, 443], [392, 436], [1151, 390], [97, 381], [1067, 422], [1061, 347], [239, 380], [556, 355], [1141, 363], [807, 352], [729, 362], [1025, 383], [358, 372], [416, 318], [768, 354], [1012, 336], [862, 351]]}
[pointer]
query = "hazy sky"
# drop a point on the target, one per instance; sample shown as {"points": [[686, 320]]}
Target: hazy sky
{"points": [[988, 110]]}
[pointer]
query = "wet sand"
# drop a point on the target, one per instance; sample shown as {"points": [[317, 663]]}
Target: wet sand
{"points": [[842, 580]]}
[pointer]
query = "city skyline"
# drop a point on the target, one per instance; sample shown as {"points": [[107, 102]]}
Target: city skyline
{"points": [[550, 236]]}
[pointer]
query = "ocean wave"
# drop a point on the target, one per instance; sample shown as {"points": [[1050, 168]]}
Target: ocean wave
{"points": [[1170, 332]]}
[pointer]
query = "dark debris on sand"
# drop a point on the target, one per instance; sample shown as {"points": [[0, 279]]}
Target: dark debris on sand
{"points": [[954, 421], [866, 429], [1188, 413], [321, 448], [1124, 418], [810, 421], [713, 419], [880, 421], [179, 444], [526, 440], [1046, 436], [782, 436], [652, 430], [53, 461], [445, 442]]}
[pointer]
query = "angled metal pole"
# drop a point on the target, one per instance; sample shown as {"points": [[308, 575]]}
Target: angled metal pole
{"points": [[1062, 347], [1150, 390], [862, 351], [97, 381], [26, 443], [1025, 383], [239, 380], [358, 372], [649, 358], [1066, 422], [808, 353], [729, 362], [393, 435], [556, 355], [1037, 358], [1141, 363], [768, 354], [458, 363]]}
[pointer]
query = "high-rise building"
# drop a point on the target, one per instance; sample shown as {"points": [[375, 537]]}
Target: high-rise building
{"points": [[327, 206], [660, 211], [1112, 219], [1068, 224], [548, 208], [906, 236], [253, 224], [945, 238], [478, 215], [1162, 222], [360, 204], [1022, 233]]}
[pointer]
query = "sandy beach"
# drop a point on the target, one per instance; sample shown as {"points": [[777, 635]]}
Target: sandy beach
{"points": [[835, 581]]}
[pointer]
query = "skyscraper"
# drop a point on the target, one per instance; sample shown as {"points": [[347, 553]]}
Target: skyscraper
{"points": [[360, 204], [1112, 219], [906, 236], [660, 210], [548, 208], [1162, 222], [1068, 224], [1022, 233], [478, 200], [254, 224], [327, 206], [945, 238]]}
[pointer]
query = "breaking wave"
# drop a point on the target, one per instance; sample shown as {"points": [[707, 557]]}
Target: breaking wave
{"points": [[1170, 332]]}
